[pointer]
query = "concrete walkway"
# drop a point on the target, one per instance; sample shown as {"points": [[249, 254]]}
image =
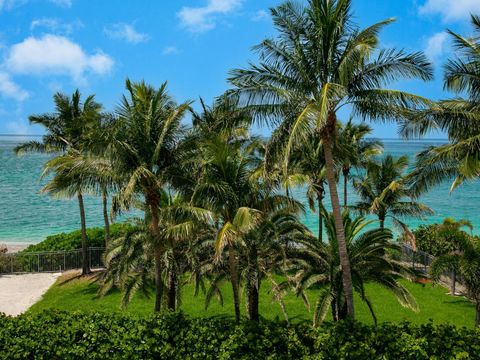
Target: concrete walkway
{"points": [[19, 292]]}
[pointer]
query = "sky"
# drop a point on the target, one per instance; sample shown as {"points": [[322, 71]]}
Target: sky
{"points": [[61, 45]]}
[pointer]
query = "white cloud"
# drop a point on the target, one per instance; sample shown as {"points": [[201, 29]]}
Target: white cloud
{"points": [[52, 54], [62, 3], [201, 19], [260, 15], [11, 90], [436, 45], [451, 10], [55, 25], [125, 32], [170, 50]]}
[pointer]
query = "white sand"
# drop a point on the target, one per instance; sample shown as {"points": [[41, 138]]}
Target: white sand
{"points": [[19, 292]]}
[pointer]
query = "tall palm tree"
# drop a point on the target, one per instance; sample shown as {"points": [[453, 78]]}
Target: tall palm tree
{"points": [[143, 147], [320, 62], [219, 160], [317, 265], [354, 150], [68, 130], [383, 191], [224, 188], [459, 117], [467, 262]]}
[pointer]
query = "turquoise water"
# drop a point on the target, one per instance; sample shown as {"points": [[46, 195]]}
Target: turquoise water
{"points": [[26, 215]]}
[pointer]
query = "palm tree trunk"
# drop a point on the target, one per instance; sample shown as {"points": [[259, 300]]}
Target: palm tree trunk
{"points": [[253, 287], [382, 222], [345, 191], [105, 218], [234, 281], [337, 215], [158, 259], [320, 216], [85, 264], [172, 290]]}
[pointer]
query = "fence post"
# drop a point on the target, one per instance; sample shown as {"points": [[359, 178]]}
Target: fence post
{"points": [[64, 261], [38, 262], [11, 263]]}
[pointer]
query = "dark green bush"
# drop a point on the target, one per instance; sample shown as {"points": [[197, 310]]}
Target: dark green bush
{"points": [[62, 335], [428, 240], [73, 240]]}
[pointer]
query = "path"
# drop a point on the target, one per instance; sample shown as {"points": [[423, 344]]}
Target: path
{"points": [[19, 292]]}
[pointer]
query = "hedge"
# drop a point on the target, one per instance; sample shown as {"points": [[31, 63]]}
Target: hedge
{"points": [[62, 335], [73, 240]]}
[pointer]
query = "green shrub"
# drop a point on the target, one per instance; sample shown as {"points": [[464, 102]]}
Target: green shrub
{"points": [[432, 240], [62, 335], [73, 240]]}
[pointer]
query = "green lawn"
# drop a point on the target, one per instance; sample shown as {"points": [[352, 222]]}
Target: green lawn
{"points": [[435, 304]]}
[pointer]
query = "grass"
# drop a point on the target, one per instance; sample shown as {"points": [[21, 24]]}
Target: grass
{"points": [[73, 293]]}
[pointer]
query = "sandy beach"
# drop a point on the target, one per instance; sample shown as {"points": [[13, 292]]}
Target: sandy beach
{"points": [[13, 248], [19, 292]]}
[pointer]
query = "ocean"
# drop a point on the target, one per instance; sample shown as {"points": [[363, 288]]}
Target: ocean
{"points": [[28, 216]]}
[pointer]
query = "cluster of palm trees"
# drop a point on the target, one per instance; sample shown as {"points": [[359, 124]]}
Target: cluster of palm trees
{"points": [[217, 200]]}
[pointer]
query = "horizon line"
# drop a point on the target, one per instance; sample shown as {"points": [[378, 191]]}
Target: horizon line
{"points": [[370, 137]]}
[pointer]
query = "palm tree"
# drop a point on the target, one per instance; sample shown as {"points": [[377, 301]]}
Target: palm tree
{"points": [[321, 62], [262, 250], [130, 258], [99, 167], [317, 265], [383, 192], [459, 160], [68, 130], [224, 189], [143, 147], [467, 262], [354, 150]]}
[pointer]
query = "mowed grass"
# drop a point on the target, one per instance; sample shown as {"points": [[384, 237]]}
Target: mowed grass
{"points": [[73, 293]]}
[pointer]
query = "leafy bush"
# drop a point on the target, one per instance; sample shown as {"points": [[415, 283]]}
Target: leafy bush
{"points": [[173, 336], [440, 239], [73, 240]]}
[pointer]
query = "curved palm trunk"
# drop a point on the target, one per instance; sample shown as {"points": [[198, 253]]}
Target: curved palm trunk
{"points": [[339, 229], [85, 263], [172, 290], [345, 190], [320, 216], [253, 287], [158, 260], [105, 218], [234, 281]]}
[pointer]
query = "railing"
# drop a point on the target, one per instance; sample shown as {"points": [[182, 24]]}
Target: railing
{"points": [[419, 260], [50, 261]]}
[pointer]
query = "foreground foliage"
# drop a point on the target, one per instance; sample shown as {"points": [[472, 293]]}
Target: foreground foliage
{"points": [[175, 336]]}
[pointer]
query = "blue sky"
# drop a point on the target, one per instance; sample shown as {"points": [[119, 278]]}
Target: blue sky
{"points": [[60, 45]]}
